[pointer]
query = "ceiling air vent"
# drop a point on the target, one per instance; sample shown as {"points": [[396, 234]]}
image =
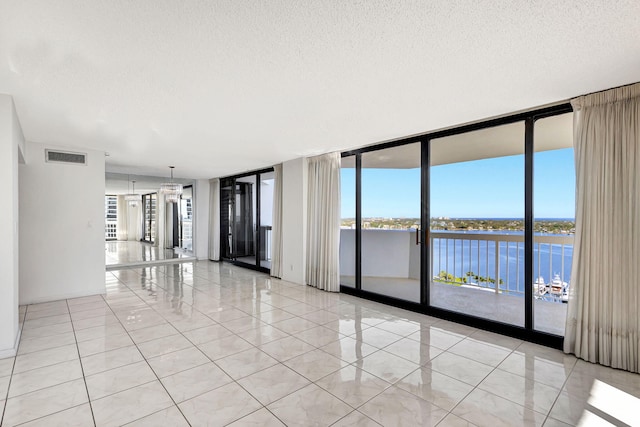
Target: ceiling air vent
{"points": [[65, 157]]}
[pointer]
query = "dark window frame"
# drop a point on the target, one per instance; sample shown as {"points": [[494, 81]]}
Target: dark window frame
{"points": [[528, 332]]}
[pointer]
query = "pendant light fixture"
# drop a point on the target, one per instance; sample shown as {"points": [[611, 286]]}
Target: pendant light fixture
{"points": [[132, 198], [171, 190]]}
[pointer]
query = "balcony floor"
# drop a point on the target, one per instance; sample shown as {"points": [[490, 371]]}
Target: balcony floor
{"points": [[548, 316]]}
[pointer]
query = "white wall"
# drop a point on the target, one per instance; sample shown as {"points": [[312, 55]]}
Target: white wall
{"points": [[385, 253], [294, 220], [12, 150], [201, 226], [61, 227]]}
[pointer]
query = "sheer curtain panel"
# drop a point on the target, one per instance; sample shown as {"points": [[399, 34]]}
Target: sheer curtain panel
{"points": [[323, 222], [122, 220], [603, 321], [276, 232]]}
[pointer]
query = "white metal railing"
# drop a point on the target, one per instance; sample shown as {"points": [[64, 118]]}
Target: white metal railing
{"points": [[495, 261]]}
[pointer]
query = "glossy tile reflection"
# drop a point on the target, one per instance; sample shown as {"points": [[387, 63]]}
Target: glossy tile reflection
{"points": [[202, 343], [126, 254]]}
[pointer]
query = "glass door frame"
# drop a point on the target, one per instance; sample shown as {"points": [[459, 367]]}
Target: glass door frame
{"points": [[223, 221], [527, 332]]}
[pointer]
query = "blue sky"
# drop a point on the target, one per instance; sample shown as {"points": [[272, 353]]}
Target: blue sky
{"points": [[490, 188]]}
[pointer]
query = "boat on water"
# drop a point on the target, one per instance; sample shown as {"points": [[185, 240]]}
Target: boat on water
{"points": [[539, 287], [557, 289]]}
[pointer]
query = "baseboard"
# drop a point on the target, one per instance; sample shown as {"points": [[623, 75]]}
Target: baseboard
{"points": [[50, 298], [10, 352]]}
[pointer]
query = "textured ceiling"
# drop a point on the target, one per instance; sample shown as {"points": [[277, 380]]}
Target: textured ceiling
{"points": [[220, 87]]}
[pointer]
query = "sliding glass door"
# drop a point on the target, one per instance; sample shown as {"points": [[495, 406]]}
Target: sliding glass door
{"points": [[390, 220], [246, 203], [474, 224], [476, 229], [149, 204]]}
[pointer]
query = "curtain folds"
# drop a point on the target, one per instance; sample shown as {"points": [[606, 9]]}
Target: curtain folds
{"points": [[134, 227], [122, 228], [603, 323], [323, 222], [276, 227], [214, 219]]}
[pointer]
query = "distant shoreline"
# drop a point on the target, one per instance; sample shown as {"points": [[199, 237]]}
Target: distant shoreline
{"points": [[541, 225]]}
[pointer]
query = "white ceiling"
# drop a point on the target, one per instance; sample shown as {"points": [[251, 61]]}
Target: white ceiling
{"points": [[118, 183], [221, 87]]}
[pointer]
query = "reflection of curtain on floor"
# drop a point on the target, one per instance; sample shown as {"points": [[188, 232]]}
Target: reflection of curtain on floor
{"points": [[323, 222], [603, 324], [122, 228], [276, 231]]}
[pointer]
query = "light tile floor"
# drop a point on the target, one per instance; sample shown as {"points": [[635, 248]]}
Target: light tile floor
{"points": [[211, 344]]}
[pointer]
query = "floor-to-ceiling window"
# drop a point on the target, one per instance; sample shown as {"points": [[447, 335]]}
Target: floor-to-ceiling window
{"points": [[473, 223], [348, 239], [390, 220], [554, 220], [185, 219], [110, 217], [246, 204], [149, 204], [476, 210]]}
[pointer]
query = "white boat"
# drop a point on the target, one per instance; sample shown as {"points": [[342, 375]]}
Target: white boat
{"points": [[539, 287], [559, 289]]}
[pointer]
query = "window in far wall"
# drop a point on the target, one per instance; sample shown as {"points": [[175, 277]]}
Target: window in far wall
{"points": [[149, 202], [110, 217]]}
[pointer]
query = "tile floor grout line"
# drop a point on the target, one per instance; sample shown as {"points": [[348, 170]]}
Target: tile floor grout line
{"points": [[157, 308], [13, 366], [151, 368], [84, 378]]}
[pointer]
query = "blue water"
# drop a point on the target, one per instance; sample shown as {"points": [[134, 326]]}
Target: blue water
{"points": [[548, 261]]}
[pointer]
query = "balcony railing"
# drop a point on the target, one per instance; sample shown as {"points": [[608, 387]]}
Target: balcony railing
{"points": [[496, 261], [490, 261]]}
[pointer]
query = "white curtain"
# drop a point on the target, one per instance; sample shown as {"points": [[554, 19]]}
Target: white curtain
{"points": [[214, 219], [323, 222], [122, 220], [161, 222], [276, 227], [603, 323], [134, 226]]}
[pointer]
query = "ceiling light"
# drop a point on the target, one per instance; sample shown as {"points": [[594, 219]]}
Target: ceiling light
{"points": [[171, 190], [132, 198]]}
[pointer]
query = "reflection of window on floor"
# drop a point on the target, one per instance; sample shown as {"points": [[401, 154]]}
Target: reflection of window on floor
{"points": [[111, 217]]}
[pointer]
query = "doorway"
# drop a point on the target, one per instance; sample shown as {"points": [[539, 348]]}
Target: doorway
{"points": [[246, 204]]}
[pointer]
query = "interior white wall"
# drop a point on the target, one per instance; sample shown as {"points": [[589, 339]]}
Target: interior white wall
{"points": [[201, 229], [294, 220], [61, 227], [12, 150]]}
